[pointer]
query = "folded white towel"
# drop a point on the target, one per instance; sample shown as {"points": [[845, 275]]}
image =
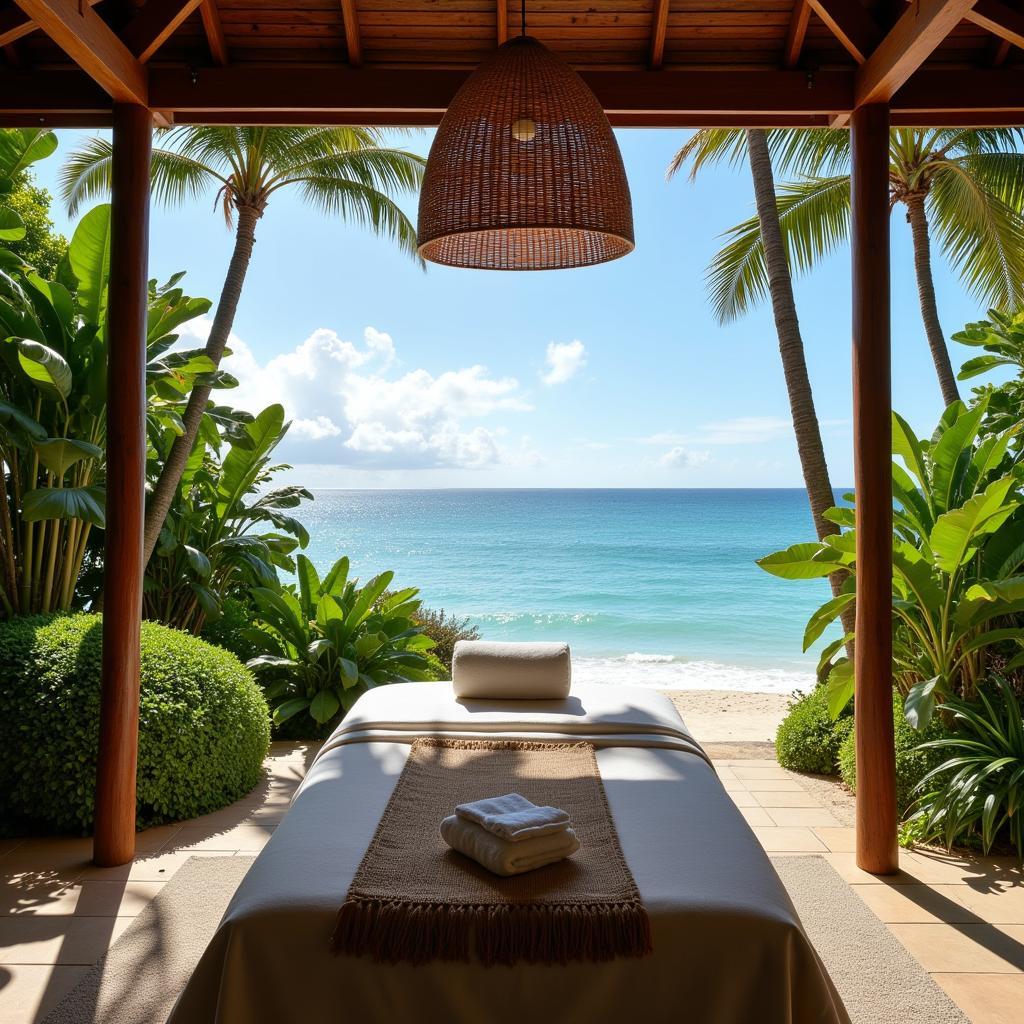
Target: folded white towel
{"points": [[513, 817], [502, 857]]}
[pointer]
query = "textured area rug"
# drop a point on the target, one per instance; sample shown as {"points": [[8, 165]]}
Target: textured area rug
{"points": [[140, 978]]}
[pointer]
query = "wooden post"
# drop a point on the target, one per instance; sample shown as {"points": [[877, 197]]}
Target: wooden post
{"points": [[877, 850], [114, 841]]}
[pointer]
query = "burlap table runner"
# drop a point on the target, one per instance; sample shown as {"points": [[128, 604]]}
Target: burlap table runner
{"points": [[415, 900]]}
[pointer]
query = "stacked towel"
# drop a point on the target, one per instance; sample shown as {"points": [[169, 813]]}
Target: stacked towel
{"points": [[509, 835]]}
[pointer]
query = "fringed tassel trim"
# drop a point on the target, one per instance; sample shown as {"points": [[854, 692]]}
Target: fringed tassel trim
{"points": [[395, 931]]}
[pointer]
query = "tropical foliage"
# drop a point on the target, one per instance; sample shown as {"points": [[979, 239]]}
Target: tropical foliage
{"points": [[1001, 337], [958, 552], [53, 347], [964, 185], [346, 172], [227, 529], [979, 788], [328, 641]]}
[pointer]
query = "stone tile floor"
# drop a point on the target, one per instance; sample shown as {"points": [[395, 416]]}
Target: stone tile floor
{"points": [[962, 918]]}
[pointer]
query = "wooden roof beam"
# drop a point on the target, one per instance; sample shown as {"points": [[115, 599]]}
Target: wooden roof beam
{"points": [[15, 24], [659, 30], [85, 37], [501, 20], [155, 24], [909, 43], [353, 42], [999, 19], [852, 25], [214, 31], [796, 33]]}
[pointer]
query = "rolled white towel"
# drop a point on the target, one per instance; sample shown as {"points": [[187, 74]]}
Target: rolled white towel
{"points": [[492, 670], [502, 857], [513, 817]]}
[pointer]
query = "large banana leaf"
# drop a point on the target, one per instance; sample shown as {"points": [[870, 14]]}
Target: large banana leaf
{"points": [[89, 255]]}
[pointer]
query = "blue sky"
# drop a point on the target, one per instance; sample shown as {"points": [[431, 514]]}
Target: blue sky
{"points": [[396, 377]]}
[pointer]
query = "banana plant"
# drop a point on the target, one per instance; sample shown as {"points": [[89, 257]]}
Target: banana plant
{"points": [[53, 358], [225, 531], [19, 149], [325, 642], [1001, 337], [958, 552]]}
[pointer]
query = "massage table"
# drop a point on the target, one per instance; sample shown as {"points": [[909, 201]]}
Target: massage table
{"points": [[728, 945]]}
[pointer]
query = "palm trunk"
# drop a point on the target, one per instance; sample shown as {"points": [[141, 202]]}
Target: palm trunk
{"points": [[918, 221], [791, 349], [170, 477]]}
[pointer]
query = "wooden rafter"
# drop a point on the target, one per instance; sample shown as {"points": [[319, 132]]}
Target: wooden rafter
{"points": [[501, 17], [914, 37], [659, 30], [84, 36], [155, 24], [999, 19], [214, 32], [796, 33], [16, 24], [852, 25], [353, 42]]}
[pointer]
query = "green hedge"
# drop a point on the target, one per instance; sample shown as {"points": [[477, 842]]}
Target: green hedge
{"points": [[807, 739], [911, 764], [204, 727]]}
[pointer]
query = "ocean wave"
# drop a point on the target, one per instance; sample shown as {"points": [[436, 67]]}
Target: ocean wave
{"points": [[534, 618], [664, 672]]}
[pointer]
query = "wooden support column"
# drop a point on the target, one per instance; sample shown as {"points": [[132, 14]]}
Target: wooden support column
{"points": [[877, 850], [114, 841]]}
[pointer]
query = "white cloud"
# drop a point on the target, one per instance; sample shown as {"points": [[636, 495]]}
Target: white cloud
{"points": [[563, 360], [683, 458], [739, 430], [346, 407]]}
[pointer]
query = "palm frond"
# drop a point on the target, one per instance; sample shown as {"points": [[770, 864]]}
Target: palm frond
{"points": [[388, 170], [980, 234], [709, 146], [362, 204], [814, 215]]}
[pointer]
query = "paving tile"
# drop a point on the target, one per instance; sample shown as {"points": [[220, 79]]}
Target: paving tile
{"points": [[29, 991], [998, 902], [941, 867], [242, 837], [986, 998], [964, 948], [760, 772], [756, 816], [798, 799], [845, 863], [842, 839], [7, 845], [38, 893], [58, 940], [156, 868], [66, 857], [915, 904], [792, 840], [119, 899], [741, 798], [773, 786], [803, 816]]}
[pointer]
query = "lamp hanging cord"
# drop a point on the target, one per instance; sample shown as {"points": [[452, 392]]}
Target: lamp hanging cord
{"points": [[522, 19]]}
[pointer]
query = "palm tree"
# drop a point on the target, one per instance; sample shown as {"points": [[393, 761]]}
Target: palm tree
{"points": [[344, 171], [965, 186]]}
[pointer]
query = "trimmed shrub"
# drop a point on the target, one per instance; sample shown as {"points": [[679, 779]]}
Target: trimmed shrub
{"points": [[808, 740], [228, 629], [911, 764], [446, 631], [204, 727]]}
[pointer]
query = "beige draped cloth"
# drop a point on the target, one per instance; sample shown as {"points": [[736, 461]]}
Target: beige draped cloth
{"points": [[728, 946]]}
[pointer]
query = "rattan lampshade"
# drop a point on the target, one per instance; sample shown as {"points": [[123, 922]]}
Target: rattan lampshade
{"points": [[524, 172]]}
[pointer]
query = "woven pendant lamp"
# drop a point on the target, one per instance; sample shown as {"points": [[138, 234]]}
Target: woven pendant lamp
{"points": [[524, 172]]}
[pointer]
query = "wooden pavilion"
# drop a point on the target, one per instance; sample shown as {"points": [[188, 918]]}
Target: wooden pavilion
{"points": [[128, 64]]}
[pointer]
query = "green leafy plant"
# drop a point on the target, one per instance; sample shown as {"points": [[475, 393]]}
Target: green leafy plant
{"points": [[808, 739], [1002, 338], [979, 788], [204, 727], [327, 641], [212, 544], [446, 631], [53, 350], [912, 763], [958, 549]]}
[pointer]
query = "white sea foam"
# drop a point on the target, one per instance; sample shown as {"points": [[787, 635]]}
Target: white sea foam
{"points": [[665, 672]]}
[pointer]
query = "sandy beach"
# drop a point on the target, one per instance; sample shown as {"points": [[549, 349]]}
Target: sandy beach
{"points": [[730, 716]]}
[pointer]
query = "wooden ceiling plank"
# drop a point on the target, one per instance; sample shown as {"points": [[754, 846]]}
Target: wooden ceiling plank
{"points": [[796, 33], [501, 16], [917, 33], [852, 25], [659, 30], [85, 37], [353, 43], [15, 24], [214, 31], [999, 19], [155, 24]]}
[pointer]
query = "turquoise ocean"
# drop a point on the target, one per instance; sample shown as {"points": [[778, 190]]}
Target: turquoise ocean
{"points": [[649, 587]]}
